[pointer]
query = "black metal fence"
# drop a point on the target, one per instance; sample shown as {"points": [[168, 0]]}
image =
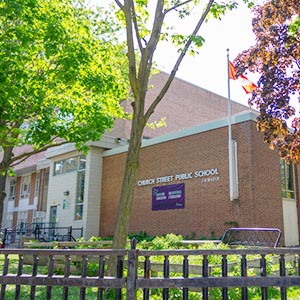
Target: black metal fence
{"points": [[43, 232], [156, 274]]}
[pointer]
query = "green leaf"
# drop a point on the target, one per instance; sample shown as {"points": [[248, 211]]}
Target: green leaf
{"points": [[62, 73]]}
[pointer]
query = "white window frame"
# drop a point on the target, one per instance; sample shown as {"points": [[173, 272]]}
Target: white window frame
{"points": [[37, 184], [65, 166], [25, 186], [79, 202], [9, 219], [22, 216], [12, 189], [287, 173]]}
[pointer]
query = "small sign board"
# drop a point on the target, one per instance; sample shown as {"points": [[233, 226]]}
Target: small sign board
{"points": [[168, 197]]}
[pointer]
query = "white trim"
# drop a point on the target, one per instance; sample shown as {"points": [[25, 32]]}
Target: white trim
{"points": [[42, 164], [237, 118], [106, 142], [59, 150]]}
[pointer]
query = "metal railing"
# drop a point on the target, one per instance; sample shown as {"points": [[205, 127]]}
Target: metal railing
{"points": [[265, 237], [191, 274], [43, 232]]}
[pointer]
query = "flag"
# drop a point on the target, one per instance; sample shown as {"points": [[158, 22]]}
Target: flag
{"points": [[232, 71], [247, 84]]}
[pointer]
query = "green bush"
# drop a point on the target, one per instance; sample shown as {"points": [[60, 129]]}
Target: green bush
{"points": [[141, 236]]}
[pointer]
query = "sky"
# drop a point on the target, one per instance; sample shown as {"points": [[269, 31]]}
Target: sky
{"points": [[208, 69]]}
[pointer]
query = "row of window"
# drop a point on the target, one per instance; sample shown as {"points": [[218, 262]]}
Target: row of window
{"points": [[76, 163], [25, 187], [23, 218]]}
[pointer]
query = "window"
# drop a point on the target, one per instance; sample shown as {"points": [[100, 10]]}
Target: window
{"points": [[25, 186], [80, 195], [81, 162], [22, 217], [70, 164], [37, 184], [76, 163], [9, 220], [12, 189], [80, 188], [287, 180], [58, 167]]}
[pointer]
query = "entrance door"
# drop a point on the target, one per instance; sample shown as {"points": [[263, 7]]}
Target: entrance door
{"points": [[53, 215], [52, 223]]}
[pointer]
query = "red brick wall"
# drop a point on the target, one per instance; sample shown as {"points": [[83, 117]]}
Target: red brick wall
{"points": [[32, 188], [15, 218], [30, 216], [207, 205], [18, 191], [200, 106]]}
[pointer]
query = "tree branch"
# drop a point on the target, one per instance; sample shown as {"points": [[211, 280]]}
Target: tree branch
{"points": [[22, 157], [136, 28], [177, 5], [178, 62], [119, 4], [147, 55], [130, 47]]}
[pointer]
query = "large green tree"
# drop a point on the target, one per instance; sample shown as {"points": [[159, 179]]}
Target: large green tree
{"points": [[276, 57], [143, 36], [61, 77]]}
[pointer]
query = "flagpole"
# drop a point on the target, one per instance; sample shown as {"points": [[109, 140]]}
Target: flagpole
{"points": [[230, 153]]}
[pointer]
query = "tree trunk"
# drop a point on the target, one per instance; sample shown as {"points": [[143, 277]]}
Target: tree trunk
{"points": [[123, 219], [4, 165], [127, 192], [2, 196]]}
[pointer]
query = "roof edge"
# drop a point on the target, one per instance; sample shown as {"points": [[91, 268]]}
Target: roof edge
{"points": [[235, 119]]}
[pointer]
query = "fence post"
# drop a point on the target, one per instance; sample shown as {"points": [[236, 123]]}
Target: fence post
{"points": [[185, 271], [70, 233], [244, 274], [132, 271], [5, 234], [263, 273], [224, 274], [166, 275], [283, 274], [205, 275]]}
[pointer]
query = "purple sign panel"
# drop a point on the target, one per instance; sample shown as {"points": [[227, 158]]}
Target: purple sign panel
{"points": [[168, 197]]}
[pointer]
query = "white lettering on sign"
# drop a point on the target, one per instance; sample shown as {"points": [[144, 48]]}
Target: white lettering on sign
{"points": [[206, 175], [164, 179], [184, 176], [146, 182], [174, 194], [210, 179], [207, 172], [161, 198]]}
